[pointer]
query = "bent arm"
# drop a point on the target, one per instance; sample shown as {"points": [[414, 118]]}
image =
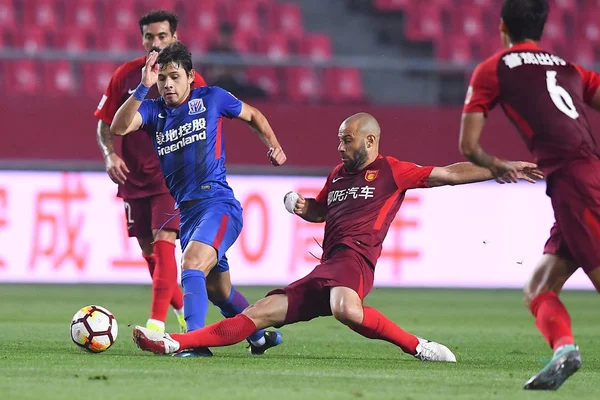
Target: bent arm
{"points": [[127, 119], [105, 139], [470, 133], [259, 124], [313, 211]]}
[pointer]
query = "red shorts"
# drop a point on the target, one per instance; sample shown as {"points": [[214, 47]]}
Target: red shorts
{"points": [[575, 194], [149, 213], [308, 297]]}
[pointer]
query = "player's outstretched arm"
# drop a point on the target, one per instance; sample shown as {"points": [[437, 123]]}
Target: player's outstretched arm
{"points": [[260, 125], [462, 173], [308, 209]]}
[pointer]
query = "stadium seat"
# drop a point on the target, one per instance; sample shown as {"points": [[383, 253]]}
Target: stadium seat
{"points": [[275, 46], [197, 42], [82, 13], [302, 84], [31, 40], [245, 42], [96, 76], [41, 13], [584, 53], [205, 19], [266, 78], [59, 77], [342, 85], [118, 41], [245, 18], [457, 49], [467, 21], [589, 25], [317, 46], [286, 18], [8, 18], [23, 76], [569, 6], [72, 39], [119, 15], [424, 23], [555, 26]]}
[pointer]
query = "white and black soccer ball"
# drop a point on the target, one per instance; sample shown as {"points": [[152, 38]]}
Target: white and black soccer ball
{"points": [[94, 329]]}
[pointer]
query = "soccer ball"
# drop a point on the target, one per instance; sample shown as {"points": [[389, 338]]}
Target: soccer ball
{"points": [[94, 329]]}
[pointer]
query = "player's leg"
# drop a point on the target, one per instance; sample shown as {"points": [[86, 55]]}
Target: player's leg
{"points": [[231, 303], [269, 311], [347, 307]]}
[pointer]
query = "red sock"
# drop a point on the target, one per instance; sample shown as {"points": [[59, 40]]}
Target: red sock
{"points": [[151, 261], [223, 333], [375, 325], [164, 279], [177, 298], [552, 319]]}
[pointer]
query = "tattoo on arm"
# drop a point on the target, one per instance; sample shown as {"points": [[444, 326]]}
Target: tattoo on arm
{"points": [[105, 139]]}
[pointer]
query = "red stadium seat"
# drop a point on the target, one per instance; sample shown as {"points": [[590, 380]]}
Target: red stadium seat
{"points": [[457, 49], [23, 76], [118, 41], [467, 21], [584, 53], [120, 15], [266, 78], [73, 39], [570, 6], [95, 77], [82, 13], [424, 23], [59, 77], [205, 19], [245, 18], [302, 84], [245, 42], [342, 85], [41, 13], [8, 18], [286, 18], [31, 40], [555, 26], [589, 25], [275, 46], [196, 42], [317, 46]]}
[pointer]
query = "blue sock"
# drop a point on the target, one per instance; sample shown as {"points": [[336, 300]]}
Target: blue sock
{"points": [[235, 304], [195, 299]]}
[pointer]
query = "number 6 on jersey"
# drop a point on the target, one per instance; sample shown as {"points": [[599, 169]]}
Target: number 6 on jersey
{"points": [[560, 97]]}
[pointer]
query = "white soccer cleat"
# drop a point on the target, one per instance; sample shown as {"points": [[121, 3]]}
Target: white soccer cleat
{"points": [[156, 342], [432, 351]]}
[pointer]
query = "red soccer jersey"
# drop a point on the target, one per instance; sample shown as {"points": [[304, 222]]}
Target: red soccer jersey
{"points": [[145, 178], [361, 205], [544, 96]]}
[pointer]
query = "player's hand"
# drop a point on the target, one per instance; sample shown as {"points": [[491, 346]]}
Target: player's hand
{"points": [[276, 156], [116, 168], [527, 171], [150, 70], [300, 206]]}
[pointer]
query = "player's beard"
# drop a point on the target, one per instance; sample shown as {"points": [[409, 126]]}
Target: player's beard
{"points": [[357, 161]]}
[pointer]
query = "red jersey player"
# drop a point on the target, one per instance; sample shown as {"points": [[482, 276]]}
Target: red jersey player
{"points": [[148, 203], [545, 97], [358, 203]]}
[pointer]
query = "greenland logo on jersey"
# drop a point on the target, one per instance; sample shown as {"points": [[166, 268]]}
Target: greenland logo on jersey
{"points": [[196, 106], [365, 192], [370, 175]]}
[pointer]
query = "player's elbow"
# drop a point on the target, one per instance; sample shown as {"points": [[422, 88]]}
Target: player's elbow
{"points": [[466, 148], [117, 129]]}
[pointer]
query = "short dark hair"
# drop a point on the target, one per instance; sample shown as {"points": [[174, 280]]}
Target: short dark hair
{"points": [[175, 53], [159, 16], [525, 19]]}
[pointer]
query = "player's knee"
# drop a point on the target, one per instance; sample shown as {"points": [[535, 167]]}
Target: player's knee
{"points": [[348, 314], [199, 264], [166, 235]]}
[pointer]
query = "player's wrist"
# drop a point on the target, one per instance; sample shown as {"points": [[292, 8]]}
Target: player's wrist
{"points": [[141, 91], [108, 153]]}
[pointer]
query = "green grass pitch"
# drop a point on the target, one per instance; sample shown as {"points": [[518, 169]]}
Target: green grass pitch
{"points": [[492, 334]]}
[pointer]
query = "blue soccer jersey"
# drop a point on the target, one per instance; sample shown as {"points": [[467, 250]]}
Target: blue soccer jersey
{"points": [[189, 142]]}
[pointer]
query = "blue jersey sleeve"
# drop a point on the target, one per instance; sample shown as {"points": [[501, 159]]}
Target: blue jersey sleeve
{"points": [[229, 105], [149, 112]]}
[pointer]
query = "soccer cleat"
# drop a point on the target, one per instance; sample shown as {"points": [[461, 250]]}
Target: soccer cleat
{"points": [[565, 362], [182, 324], [156, 342], [272, 339], [432, 351], [197, 352]]}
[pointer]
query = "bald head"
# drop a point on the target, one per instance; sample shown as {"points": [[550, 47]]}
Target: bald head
{"points": [[362, 123], [359, 141]]}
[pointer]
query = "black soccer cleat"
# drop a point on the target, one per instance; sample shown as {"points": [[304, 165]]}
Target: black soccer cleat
{"points": [[272, 339], [197, 352], [565, 363]]}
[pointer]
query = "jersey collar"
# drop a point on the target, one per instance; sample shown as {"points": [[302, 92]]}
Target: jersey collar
{"points": [[524, 46]]}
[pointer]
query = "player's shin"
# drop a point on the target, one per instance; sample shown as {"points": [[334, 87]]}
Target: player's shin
{"points": [[223, 333], [234, 305], [552, 319], [164, 279], [375, 325], [195, 298]]}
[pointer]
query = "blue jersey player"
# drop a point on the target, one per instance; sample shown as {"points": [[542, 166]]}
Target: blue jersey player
{"points": [[185, 125]]}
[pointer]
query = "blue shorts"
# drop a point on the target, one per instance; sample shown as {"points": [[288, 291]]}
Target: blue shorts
{"points": [[217, 223]]}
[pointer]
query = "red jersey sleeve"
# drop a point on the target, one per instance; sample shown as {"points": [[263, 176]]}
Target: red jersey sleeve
{"points": [[408, 175], [591, 83], [111, 100], [484, 89], [198, 80], [322, 196]]}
